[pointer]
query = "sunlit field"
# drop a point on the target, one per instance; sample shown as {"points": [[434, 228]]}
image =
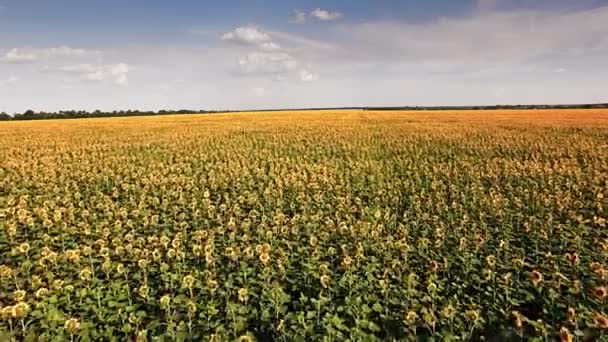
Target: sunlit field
{"points": [[298, 226]]}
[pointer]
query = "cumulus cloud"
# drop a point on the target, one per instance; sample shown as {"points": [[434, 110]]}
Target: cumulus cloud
{"points": [[8, 81], [268, 57], [325, 15], [307, 76], [116, 73], [267, 63], [30, 55], [495, 37], [17, 56], [246, 35], [299, 17]]}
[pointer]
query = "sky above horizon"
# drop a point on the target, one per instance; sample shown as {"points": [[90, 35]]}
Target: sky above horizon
{"points": [[251, 54]]}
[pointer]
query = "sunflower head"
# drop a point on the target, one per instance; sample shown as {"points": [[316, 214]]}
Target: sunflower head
{"points": [[600, 292], [72, 325], [536, 278], [565, 335], [601, 321]]}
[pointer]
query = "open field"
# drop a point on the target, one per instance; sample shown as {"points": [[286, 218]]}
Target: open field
{"points": [[355, 225]]}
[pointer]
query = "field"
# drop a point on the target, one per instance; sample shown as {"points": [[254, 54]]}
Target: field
{"points": [[298, 226]]}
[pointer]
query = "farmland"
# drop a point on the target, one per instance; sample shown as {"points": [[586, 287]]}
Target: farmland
{"points": [[333, 225]]}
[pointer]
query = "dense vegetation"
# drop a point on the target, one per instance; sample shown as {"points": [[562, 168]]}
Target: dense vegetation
{"points": [[77, 114], [346, 225]]}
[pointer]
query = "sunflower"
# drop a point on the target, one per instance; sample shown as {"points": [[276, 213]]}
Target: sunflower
{"points": [[19, 295], [571, 315], [565, 335], [243, 294], [536, 278], [600, 292], [264, 258], [188, 281], [165, 301], [601, 321], [411, 317], [72, 325], [517, 319]]}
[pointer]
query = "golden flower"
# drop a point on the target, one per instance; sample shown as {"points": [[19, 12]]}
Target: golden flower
{"points": [[87, 250], [347, 261], [264, 258], [573, 258], [120, 269], [212, 284], [434, 266], [42, 292], [565, 335], [576, 287], [411, 317], [188, 281], [142, 336], [72, 325], [245, 338], [471, 315], [517, 319], [106, 266], [600, 292], [325, 279], [448, 311], [536, 278], [19, 295], [57, 284], [143, 290], [601, 321], [24, 248], [243, 294], [491, 260], [571, 315], [5, 271], [165, 301], [313, 240], [518, 262], [7, 312], [191, 307], [86, 274], [20, 310]]}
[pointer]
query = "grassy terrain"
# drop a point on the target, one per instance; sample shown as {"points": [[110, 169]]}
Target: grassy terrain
{"points": [[341, 225]]}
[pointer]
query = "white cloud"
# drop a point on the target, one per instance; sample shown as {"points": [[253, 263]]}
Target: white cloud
{"points": [[496, 37], [117, 73], [8, 81], [78, 68], [299, 17], [307, 76], [325, 15], [246, 35], [258, 91], [18, 56], [270, 46], [30, 55], [268, 57], [267, 63]]}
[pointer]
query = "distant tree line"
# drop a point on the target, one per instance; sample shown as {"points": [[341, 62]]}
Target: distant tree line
{"points": [[495, 107], [75, 114]]}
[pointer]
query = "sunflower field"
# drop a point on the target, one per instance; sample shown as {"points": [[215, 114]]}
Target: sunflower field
{"points": [[300, 226]]}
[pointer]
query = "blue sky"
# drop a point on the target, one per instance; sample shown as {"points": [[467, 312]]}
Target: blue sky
{"points": [[152, 54]]}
